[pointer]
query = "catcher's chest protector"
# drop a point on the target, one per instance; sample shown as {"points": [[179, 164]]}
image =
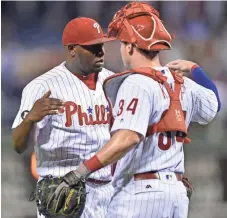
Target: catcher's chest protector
{"points": [[173, 119]]}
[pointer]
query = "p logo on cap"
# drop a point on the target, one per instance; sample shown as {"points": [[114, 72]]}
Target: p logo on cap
{"points": [[96, 26]]}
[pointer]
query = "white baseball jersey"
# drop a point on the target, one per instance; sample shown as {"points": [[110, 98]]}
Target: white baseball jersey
{"points": [[140, 102], [78, 131]]}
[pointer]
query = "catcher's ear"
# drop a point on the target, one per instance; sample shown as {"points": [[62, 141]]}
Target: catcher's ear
{"points": [[130, 48]]}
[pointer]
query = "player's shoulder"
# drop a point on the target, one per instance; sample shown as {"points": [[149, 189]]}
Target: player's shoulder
{"points": [[53, 73], [188, 81], [105, 73], [46, 77], [142, 81], [196, 89], [189, 84]]}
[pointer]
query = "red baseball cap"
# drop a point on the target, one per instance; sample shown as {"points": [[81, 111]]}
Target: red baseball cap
{"points": [[84, 31]]}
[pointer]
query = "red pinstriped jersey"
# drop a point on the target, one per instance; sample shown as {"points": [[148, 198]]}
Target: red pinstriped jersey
{"points": [[79, 130]]}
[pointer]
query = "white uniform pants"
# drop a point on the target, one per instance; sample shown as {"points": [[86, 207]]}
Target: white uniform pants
{"points": [[151, 198]]}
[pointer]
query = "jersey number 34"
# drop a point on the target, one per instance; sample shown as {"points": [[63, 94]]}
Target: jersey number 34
{"points": [[130, 107]]}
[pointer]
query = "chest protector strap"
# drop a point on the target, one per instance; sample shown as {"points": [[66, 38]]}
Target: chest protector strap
{"points": [[172, 119]]}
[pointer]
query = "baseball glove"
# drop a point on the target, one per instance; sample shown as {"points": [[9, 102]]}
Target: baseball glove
{"points": [[57, 196]]}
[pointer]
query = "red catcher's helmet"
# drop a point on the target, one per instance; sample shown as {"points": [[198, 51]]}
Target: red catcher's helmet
{"points": [[138, 23]]}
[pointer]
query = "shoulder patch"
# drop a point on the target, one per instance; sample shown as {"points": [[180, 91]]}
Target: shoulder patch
{"points": [[24, 113]]}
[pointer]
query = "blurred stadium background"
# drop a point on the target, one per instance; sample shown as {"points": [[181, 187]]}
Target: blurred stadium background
{"points": [[31, 45]]}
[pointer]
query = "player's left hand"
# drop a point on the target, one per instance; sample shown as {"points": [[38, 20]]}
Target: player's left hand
{"points": [[69, 197], [189, 187], [181, 66]]}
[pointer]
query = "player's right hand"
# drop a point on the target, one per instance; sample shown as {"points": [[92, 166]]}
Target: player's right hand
{"points": [[181, 66], [43, 107]]}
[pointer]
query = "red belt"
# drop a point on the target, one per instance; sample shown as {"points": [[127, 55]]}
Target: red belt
{"points": [[98, 182], [153, 175]]}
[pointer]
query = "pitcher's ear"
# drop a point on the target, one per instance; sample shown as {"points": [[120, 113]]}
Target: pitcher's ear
{"points": [[72, 50]]}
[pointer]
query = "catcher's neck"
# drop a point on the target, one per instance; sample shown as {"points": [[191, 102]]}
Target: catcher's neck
{"points": [[139, 60]]}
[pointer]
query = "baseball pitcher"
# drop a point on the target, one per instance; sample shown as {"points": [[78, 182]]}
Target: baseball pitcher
{"points": [[66, 113]]}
